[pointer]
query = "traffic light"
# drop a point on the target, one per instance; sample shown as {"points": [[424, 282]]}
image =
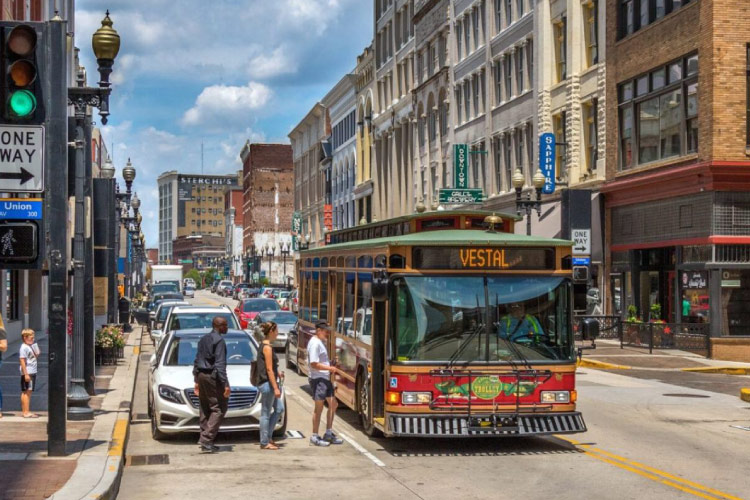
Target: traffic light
{"points": [[18, 242], [580, 273], [22, 57]]}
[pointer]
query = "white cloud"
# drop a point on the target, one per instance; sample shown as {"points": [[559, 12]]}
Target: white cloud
{"points": [[278, 62], [224, 103]]}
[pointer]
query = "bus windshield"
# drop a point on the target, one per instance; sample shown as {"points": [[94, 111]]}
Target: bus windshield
{"points": [[502, 319]]}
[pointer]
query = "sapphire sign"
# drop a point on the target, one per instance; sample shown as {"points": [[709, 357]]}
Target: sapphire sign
{"points": [[461, 166], [547, 161], [21, 209]]}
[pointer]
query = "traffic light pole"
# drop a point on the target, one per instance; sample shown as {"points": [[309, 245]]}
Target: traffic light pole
{"points": [[56, 234]]}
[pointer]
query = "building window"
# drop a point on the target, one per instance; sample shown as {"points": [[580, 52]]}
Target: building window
{"points": [[475, 89], [499, 84], [560, 30], [432, 127], [590, 15], [591, 135], [443, 105], [520, 149], [636, 14], [459, 47], [508, 77], [559, 123], [508, 12], [507, 161], [747, 95], [434, 179], [520, 10], [475, 27], [467, 100], [459, 118], [497, 154], [467, 35], [661, 120], [430, 60], [520, 67], [498, 15]]}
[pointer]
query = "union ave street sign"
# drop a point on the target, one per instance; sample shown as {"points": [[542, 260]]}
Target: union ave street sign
{"points": [[21, 158], [460, 195]]}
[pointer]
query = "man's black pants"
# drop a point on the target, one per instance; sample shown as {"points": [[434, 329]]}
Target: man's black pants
{"points": [[213, 407]]}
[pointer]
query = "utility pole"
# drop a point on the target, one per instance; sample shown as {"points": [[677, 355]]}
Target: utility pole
{"points": [[56, 234]]}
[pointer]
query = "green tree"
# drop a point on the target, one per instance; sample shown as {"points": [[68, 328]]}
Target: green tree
{"points": [[196, 276]]}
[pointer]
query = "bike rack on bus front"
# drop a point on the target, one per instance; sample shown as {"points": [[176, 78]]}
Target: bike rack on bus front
{"points": [[492, 421]]}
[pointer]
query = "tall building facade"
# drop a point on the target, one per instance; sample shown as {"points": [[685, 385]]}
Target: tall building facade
{"points": [[190, 205], [340, 104], [366, 102], [678, 136], [393, 47]]}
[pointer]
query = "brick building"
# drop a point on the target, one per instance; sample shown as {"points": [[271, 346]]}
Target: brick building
{"points": [[197, 252], [678, 135], [234, 231], [268, 205]]}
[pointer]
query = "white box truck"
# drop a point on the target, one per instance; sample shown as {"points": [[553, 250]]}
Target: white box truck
{"points": [[161, 273]]}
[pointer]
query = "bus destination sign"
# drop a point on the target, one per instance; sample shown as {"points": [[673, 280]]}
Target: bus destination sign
{"points": [[477, 258]]}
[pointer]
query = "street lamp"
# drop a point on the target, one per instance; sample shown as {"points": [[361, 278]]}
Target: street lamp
{"points": [[106, 44], [108, 169], [285, 253], [527, 204], [270, 253], [128, 175]]}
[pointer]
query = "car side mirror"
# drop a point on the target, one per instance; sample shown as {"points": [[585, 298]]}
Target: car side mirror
{"points": [[590, 329], [152, 361], [379, 286], [243, 324]]}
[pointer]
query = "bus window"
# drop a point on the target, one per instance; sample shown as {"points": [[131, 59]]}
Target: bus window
{"points": [[365, 262], [380, 261], [323, 314], [314, 302], [397, 261], [349, 304], [363, 318], [351, 262], [324, 262], [340, 262], [341, 325], [304, 309]]}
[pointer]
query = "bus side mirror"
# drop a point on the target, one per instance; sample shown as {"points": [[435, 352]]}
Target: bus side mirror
{"points": [[379, 286], [590, 329]]}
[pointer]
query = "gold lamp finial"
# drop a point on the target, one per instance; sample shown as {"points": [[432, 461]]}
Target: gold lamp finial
{"points": [[106, 41], [492, 221]]}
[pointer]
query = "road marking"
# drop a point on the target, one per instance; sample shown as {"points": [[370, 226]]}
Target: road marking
{"points": [[362, 450], [651, 473]]}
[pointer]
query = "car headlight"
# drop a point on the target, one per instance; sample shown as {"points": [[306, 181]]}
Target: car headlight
{"points": [[171, 394], [416, 398], [555, 397]]}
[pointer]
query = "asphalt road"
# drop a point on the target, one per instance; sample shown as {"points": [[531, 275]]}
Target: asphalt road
{"points": [[646, 439]]}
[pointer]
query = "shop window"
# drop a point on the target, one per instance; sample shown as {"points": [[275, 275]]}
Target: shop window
{"points": [[560, 39], [591, 33]]}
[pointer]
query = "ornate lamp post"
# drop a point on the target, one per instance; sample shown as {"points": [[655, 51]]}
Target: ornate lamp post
{"points": [[270, 251], [527, 204], [106, 44], [285, 253]]}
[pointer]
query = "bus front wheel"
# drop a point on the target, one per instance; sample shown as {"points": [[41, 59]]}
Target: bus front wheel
{"points": [[363, 404]]}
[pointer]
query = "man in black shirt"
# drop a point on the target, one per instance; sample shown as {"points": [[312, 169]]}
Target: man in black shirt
{"points": [[211, 383]]}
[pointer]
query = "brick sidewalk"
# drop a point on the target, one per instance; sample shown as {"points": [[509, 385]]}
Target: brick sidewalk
{"points": [[26, 473]]}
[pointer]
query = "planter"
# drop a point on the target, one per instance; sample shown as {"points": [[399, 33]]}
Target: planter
{"points": [[105, 356]]}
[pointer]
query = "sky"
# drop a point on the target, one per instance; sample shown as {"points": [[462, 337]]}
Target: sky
{"points": [[217, 72]]}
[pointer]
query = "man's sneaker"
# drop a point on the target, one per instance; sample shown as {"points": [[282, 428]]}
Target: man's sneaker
{"points": [[317, 441], [332, 438]]}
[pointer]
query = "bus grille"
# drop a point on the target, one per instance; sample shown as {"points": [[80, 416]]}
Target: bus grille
{"points": [[239, 399], [528, 425]]}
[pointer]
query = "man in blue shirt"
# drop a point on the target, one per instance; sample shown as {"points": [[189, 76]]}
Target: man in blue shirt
{"points": [[518, 325]]}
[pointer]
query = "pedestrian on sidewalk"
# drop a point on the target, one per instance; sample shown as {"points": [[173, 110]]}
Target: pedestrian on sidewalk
{"points": [[3, 348], [269, 380], [212, 383], [320, 369], [28, 355]]}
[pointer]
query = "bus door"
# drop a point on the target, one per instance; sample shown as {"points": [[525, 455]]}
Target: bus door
{"points": [[344, 337], [377, 390]]}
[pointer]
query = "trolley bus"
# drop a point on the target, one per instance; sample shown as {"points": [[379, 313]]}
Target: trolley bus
{"points": [[445, 324]]}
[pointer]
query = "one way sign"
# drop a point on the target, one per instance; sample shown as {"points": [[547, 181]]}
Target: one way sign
{"points": [[21, 158], [581, 241]]}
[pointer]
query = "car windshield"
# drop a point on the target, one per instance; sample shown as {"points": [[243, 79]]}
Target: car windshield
{"points": [[484, 319], [281, 317], [182, 350], [260, 306], [283, 295], [164, 311], [164, 287], [188, 320]]}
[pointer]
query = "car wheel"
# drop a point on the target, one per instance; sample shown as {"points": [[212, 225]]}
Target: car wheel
{"points": [[288, 358], [281, 431], [155, 432], [363, 404]]}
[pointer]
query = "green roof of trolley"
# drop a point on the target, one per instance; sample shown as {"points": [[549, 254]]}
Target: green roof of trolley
{"points": [[449, 238]]}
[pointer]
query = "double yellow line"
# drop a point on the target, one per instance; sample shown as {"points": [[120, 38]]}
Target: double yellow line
{"points": [[651, 473]]}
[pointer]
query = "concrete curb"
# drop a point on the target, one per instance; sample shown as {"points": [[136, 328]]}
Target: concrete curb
{"points": [[600, 365], [745, 394], [98, 471], [726, 370]]}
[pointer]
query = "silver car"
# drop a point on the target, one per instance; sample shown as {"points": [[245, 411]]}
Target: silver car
{"points": [[285, 320]]}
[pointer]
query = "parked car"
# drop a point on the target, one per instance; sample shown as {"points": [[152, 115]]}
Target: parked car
{"points": [[225, 288], [285, 321], [283, 299], [249, 293], [160, 315], [173, 406], [185, 317], [215, 286], [165, 288], [247, 310], [238, 288], [158, 299], [189, 291], [294, 301]]}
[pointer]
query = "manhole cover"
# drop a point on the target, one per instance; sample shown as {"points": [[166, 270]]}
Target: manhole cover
{"points": [[686, 395], [134, 460]]}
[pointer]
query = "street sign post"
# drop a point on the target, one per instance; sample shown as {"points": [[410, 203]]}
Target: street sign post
{"points": [[21, 158], [547, 154], [461, 166], [459, 196]]}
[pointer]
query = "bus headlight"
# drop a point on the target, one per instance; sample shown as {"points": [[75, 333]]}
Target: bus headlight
{"points": [[416, 398], [555, 397]]}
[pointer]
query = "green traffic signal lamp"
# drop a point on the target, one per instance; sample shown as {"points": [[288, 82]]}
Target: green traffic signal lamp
{"points": [[22, 103], [22, 87]]}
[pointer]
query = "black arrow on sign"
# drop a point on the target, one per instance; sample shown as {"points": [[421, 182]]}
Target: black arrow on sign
{"points": [[24, 176]]}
